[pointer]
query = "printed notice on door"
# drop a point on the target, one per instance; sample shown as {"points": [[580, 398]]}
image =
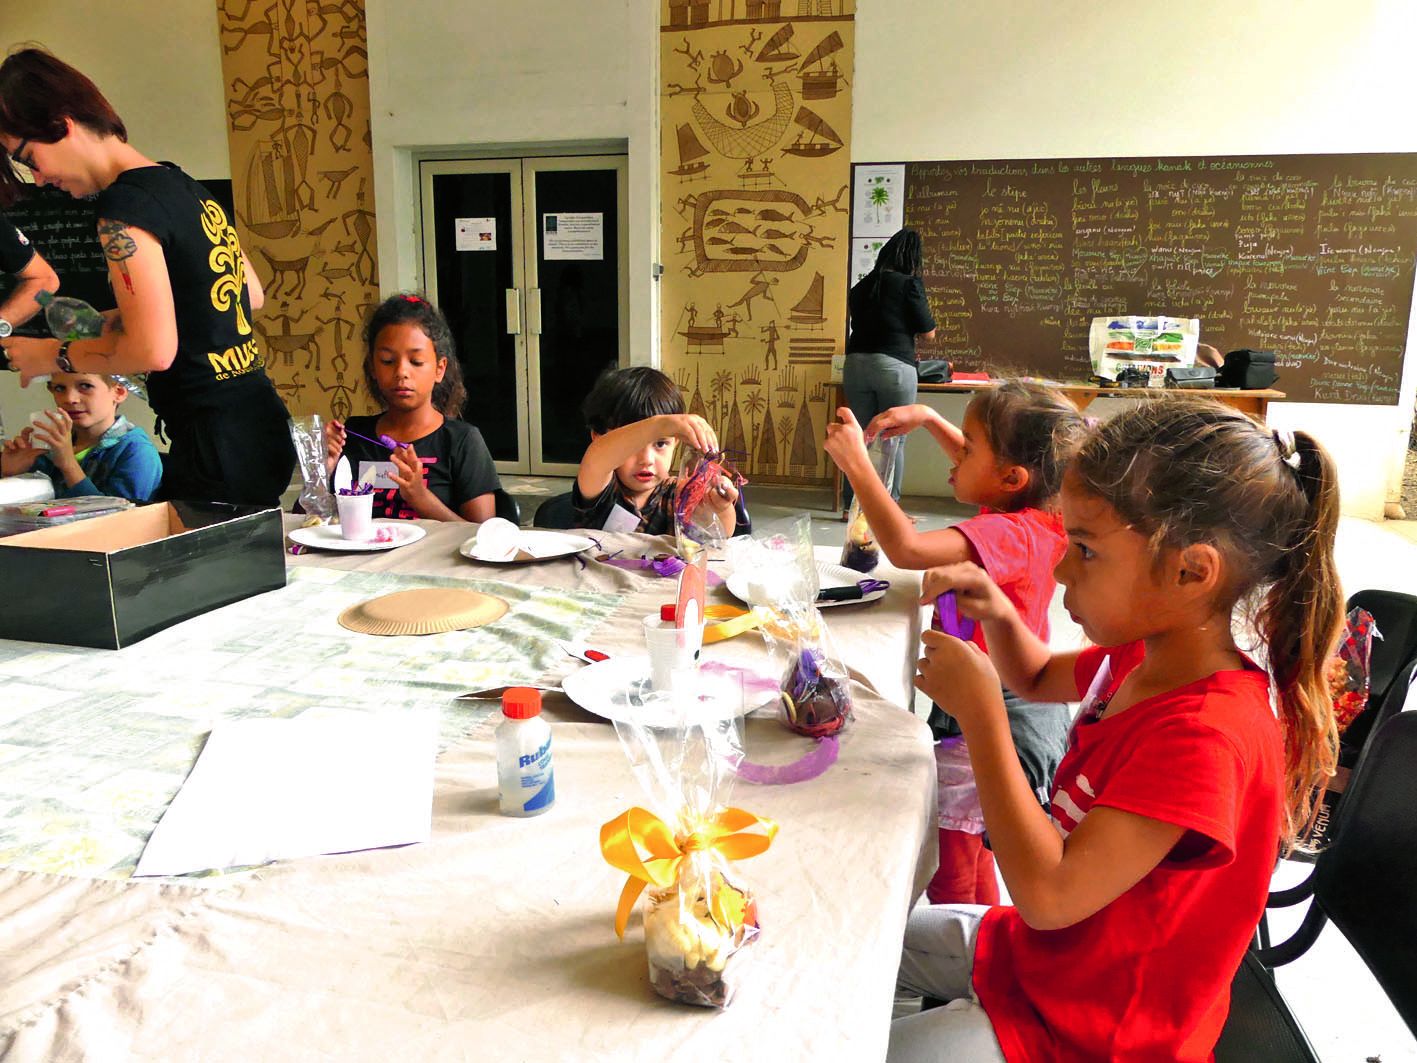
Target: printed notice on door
{"points": [[578, 237], [476, 234]]}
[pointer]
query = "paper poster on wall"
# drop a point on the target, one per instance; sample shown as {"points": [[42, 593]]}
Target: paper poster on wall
{"points": [[878, 201], [573, 236], [863, 256], [476, 234]]}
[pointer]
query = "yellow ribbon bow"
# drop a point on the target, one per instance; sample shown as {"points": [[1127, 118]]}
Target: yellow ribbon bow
{"points": [[734, 834]]}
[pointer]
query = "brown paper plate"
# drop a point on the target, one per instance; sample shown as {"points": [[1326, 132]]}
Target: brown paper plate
{"points": [[425, 611]]}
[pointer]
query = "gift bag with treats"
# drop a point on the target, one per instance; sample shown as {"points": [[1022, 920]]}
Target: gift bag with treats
{"points": [[699, 914]]}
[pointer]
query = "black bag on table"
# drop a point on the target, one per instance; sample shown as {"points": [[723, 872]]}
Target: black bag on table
{"points": [[1247, 369], [935, 371]]}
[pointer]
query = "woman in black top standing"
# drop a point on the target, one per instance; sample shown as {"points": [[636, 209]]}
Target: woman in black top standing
{"points": [[184, 289], [887, 311]]}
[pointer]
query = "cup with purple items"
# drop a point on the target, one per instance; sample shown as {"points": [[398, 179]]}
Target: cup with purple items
{"points": [[356, 511], [951, 622], [815, 694]]}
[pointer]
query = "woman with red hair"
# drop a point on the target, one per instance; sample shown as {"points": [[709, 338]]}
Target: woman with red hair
{"points": [[184, 289]]}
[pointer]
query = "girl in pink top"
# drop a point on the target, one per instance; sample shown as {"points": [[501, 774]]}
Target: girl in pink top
{"points": [[1008, 459], [1135, 900]]}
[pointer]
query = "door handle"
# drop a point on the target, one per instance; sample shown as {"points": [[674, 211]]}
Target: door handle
{"points": [[514, 312], [533, 311]]}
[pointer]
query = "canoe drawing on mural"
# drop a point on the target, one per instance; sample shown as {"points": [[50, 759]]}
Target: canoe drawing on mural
{"points": [[271, 209], [821, 77], [778, 48], [807, 312], [816, 138], [693, 165]]}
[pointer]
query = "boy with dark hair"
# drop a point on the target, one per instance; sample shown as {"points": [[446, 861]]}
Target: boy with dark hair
{"points": [[635, 414]]}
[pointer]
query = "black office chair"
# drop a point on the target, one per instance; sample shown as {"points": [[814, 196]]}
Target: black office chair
{"points": [[507, 507], [556, 512], [1365, 882]]}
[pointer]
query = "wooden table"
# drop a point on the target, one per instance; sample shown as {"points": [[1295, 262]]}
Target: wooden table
{"points": [[1252, 403]]}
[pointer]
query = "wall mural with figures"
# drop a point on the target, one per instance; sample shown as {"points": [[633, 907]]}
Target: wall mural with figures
{"points": [[297, 103], [755, 116]]}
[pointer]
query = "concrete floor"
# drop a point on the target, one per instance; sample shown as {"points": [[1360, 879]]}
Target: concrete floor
{"points": [[1347, 1016]]}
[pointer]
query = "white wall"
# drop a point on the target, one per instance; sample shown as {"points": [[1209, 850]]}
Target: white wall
{"points": [[159, 63], [1039, 79], [483, 75]]}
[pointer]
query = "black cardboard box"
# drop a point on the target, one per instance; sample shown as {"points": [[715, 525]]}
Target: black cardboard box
{"points": [[111, 581]]}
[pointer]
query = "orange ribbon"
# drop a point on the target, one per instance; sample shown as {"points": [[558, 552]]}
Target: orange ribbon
{"points": [[643, 846]]}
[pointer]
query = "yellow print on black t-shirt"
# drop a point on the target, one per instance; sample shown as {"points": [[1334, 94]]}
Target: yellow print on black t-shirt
{"points": [[225, 262], [234, 360]]}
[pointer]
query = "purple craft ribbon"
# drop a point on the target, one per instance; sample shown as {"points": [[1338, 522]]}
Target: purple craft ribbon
{"points": [[871, 586], [382, 441], [951, 623], [811, 764]]}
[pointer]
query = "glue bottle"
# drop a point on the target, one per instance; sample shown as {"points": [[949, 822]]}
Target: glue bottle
{"points": [[525, 781]]}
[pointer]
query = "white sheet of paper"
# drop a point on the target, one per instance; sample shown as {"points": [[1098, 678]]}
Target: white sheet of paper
{"points": [[621, 519], [328, 781], [475, 234], [877, 200], [573, 235], [378, 473]]}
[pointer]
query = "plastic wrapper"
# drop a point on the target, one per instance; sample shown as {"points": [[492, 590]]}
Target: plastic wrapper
{"points": [[777, 566], [1348, 671], [860, 551], [309, 438], [816, 691], [696, 523], [700, 916]]}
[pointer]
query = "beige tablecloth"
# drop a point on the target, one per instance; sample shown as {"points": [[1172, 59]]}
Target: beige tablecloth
{"points": [[495, 939]]}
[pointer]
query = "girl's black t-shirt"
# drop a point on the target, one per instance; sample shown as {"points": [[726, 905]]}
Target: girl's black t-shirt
{"points": [[218, 356], [457, 466]]}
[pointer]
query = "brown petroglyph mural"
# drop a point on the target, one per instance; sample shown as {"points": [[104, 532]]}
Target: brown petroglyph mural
{"points": [[297, 97], [755, 153]]}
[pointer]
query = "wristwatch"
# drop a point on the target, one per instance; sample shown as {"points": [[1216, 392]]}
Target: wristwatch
{"points": [[62, 359], [5, 328]]}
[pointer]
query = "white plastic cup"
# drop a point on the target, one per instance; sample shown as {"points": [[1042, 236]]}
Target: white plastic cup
{"points": [[671, 652], [356, 516], [38, 418]]}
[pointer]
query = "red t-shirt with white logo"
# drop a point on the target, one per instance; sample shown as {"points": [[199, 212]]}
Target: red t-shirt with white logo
{"points": [[1019, 550], [1148, 977]]}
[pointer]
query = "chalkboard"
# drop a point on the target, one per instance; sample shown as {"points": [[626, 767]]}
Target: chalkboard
{"points": [[63, 230], [1309, 255]]}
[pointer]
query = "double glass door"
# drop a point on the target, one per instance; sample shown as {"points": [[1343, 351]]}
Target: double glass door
{"points": [[525, 257]]}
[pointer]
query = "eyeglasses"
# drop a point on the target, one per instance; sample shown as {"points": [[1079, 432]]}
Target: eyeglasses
{"points": [[19, 154]]}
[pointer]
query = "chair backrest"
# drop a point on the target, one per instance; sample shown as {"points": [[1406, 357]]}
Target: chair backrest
{"points": [[1396, 616], [507, 507], [556, 512], [1366, 881]]}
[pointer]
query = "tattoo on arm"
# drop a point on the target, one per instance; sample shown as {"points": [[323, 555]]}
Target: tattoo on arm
{"points": [[118, 247]]}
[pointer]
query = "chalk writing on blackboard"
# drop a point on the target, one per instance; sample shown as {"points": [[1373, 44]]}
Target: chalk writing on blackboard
{"points": [[1310, 255]]}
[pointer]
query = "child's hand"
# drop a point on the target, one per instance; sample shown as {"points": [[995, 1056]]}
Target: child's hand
{"points": [[691, 429], [976, 595], [408, 474], [55, 431], [845, 441], [959, 677], [19, 454], [334, 444], [722, 496], [897, 421]]}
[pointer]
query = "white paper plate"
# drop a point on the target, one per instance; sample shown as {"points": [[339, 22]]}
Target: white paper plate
{"points": [[827, 576], [619, 689], [535, 544], [327, 537]]}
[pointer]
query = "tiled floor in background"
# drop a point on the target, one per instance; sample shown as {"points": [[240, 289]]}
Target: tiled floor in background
{"points": [[1347, 1017]]}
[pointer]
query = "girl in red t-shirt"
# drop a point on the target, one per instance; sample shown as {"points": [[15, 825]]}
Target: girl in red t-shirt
{"points": [[1008, 459], [1134, 902]]}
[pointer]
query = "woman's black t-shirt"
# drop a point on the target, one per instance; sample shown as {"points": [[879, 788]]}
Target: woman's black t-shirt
{"points": [[889, 322], [218, 357], [457, 466]]}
